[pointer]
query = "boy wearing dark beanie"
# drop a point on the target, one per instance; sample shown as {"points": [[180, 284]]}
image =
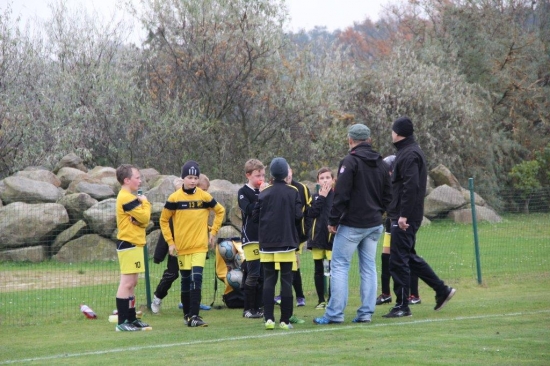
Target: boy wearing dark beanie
{"points": [[189, 208], [278, 209]]}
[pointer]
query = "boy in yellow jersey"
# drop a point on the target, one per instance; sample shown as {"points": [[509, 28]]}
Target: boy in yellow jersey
{"points": [[189, 208], [132, 215]]}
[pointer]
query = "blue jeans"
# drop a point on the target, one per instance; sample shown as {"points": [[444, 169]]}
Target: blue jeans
{"points": [[346, 241]]}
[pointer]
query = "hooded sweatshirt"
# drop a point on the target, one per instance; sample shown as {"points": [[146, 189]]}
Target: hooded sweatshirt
{"points": [[363, 189]]}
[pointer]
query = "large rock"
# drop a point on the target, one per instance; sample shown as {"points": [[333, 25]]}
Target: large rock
{"points": [[21, 189], [29, 254], [152, 240], [94, 187], [71, 161], [156, 211], [148, 174], [478, 200], [76, 204], [105, 175], [25, 224], [442, 175], [163, 186], [40, 175], [87, 248], [101, 217], [74, 232], [442, 200], [464, 216], [227, 232], [67, 175]]}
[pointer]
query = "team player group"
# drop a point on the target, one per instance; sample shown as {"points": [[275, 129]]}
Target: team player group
{"points": [[278, 218]]}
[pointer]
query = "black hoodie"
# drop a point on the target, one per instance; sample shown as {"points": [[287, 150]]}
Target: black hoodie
{"points": [[363, 189]]}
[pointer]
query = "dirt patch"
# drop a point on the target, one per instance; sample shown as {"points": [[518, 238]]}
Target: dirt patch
{"points": [[45, 280]]}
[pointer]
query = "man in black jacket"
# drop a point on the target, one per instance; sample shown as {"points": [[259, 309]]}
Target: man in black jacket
{"points": [[406, 212], [361, 196]]}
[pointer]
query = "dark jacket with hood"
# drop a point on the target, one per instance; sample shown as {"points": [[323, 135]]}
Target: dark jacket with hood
{"points": [[409, 180], [363, 189]]}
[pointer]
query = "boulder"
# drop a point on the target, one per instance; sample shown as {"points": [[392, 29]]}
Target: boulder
{"points": [[442, 200], [156, 211], [148, 174], [94, 187], [441, 175], [101, 217], [74, 232], [76, 204], [71, 161], [25, 224], [478, 200], [21, 189], [90, 247], [67, 175], [40, 175], [152, 240], [228, 231], [163, 186], [29, 254], [106, 175], [483, 213]]}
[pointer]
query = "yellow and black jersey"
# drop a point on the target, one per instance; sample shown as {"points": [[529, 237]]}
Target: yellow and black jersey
{"points": [[189, 211], [132, 217]]}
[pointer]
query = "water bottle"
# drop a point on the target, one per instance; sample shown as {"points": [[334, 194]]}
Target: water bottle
{"points": [[140, 191], [326, 267], [89, 313]]}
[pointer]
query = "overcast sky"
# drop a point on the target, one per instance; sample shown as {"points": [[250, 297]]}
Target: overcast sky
{"points": [[305, 14]]}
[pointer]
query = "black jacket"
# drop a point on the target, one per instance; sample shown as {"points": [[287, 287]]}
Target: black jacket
{"points": [[409, 181], [319, 237], [247, 198], [363, 189], [278, 210], [305, 197]]}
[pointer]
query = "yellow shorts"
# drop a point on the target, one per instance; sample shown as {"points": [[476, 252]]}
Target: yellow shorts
{"points": [[387, 240], [188, 261], [321, 253], [280, 257], [251, 251], [130, 258]]}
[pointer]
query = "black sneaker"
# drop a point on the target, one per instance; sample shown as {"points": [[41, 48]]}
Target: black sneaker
{"points": [[127, 327], [440, 301], [186, 319], [383, 299], [196, 321], [398, 312], [413, 300], [252, 314], [139, 324]]}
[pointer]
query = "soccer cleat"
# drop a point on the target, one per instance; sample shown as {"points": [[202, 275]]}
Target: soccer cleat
{"points": [[440, 301], [155, 305], [295, 320], [413, 300], [300, 301], [139, 324], [321, 306], [357, 320], [398, 312], [286, 326], [252, 314], [186, 319], [260, 312], [269, 325], [383, 299], [323, 321], [196, 321], [127, 327], [277, 300]]}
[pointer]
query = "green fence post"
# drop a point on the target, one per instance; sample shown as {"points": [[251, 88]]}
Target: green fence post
{"points": [[474, 225], [147, 281]]}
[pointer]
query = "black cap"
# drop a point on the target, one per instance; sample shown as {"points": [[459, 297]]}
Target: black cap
{"points": [[403, 126]]}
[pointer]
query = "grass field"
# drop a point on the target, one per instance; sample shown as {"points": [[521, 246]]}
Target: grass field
{"points": [[503, 321]]}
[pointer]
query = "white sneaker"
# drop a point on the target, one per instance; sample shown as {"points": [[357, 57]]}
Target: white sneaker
{"points": [[155, 305]]}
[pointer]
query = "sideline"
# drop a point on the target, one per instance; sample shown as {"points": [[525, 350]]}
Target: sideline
{"points": [[267, 335]]}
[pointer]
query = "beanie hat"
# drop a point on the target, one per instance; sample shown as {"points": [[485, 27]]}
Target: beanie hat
{"points": [[403, 126], [278, 168], [190, 168], [359, 132]]}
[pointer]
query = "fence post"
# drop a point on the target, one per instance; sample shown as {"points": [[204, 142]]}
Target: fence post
{"points": [[147, 280], [474, 225]]}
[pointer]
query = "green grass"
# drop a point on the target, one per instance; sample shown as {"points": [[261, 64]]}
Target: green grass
{"points": [[504, 321], [504, 325]]}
